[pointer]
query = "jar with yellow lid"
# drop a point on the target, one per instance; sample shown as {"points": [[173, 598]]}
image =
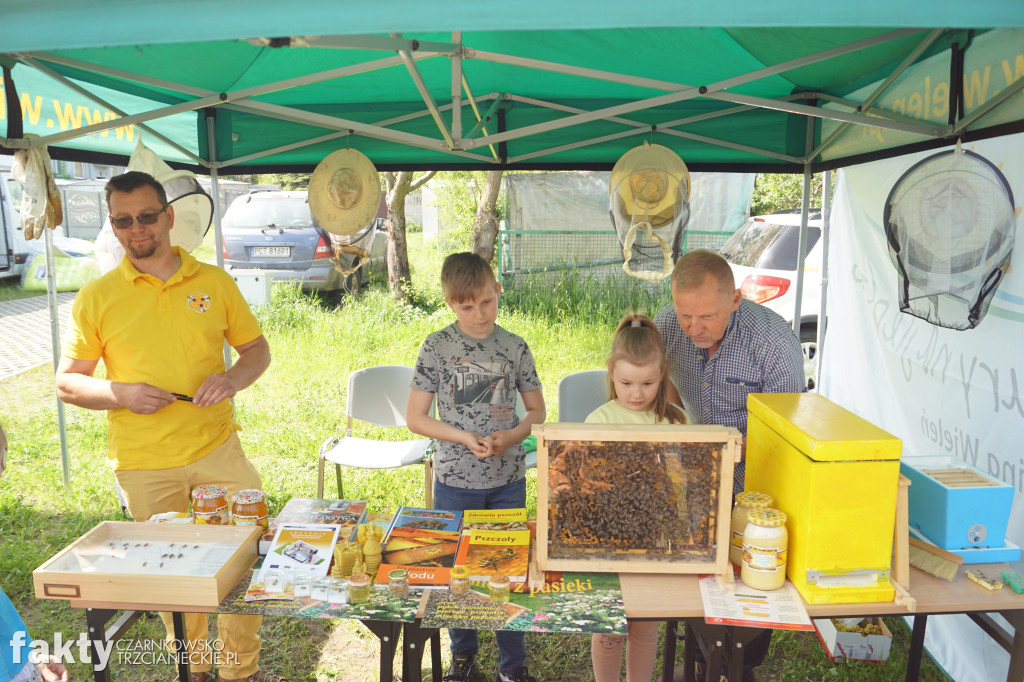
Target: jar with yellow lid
{"points": [[249, 508], [210, 504], [458, 581], [745, 501], [765, 545]]}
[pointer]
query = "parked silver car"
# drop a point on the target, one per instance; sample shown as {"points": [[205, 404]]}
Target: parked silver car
{"points": [[275, 232]]}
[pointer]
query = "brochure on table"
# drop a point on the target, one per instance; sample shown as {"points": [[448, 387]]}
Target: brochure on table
{"points": [[302, 548], [780, 609]]}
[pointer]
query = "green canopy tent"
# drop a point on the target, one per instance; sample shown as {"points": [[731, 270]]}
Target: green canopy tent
{"points": [[245, 86], [253, 85]]}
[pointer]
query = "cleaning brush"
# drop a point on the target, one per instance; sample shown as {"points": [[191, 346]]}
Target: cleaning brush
{"points": [[934, 560]]}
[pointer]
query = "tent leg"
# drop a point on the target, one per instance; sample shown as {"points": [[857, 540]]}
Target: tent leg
{"points": [[51, 303], [211, 139], [826, 230]]}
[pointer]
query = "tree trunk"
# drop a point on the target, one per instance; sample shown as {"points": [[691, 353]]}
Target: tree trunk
{"points": [[398, 188], [485, 229], [399, 274]]}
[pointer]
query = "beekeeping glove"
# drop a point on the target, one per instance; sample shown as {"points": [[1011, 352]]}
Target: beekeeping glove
{"points": [[40, 202]]}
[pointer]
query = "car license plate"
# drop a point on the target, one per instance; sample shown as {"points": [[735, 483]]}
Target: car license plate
{"points": [[272, 251]]}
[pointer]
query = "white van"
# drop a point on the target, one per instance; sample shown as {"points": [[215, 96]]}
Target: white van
{"points": [[14, 251], [84, 207]]}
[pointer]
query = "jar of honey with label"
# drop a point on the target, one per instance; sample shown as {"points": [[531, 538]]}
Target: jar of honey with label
{"points": [[765, 546], [210, 504], [249, 508], [745, 501]]}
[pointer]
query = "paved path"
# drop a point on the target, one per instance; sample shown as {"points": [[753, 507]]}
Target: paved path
{"points": [[25, 332]]}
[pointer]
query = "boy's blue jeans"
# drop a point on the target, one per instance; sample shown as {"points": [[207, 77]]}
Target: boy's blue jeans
{"points": [[511, 646]]}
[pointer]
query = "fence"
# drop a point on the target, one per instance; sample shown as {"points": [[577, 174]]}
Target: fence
{"points": [[539, 258]]}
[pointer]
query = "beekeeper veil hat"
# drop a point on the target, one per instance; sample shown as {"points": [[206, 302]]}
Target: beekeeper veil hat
{"points": [[193, 207], [648, 196], [949, 223], [344, 192]]}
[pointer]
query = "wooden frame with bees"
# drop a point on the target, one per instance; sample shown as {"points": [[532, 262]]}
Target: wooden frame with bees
{"points": [[634, 498]]}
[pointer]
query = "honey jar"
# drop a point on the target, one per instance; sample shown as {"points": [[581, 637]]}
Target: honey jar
{"points": [[500, 588], [210, 504], [398, 582], [249, 508], [765, 545], [745, 501], [358, 588], [458, 581]]}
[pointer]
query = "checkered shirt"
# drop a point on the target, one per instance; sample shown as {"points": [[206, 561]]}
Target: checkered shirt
{"points": [[759, 354]]}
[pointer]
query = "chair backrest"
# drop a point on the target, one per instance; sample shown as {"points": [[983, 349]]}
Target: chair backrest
{"points": [[580, 393], [379, 395]]}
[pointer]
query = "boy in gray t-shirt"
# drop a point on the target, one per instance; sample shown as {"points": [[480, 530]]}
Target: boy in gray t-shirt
{"points": [[476, 368]]}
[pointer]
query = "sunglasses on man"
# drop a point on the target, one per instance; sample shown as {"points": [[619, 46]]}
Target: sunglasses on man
{"points": [[124, 222]]}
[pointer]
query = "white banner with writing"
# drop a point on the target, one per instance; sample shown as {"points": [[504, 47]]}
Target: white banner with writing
{"points": [[942, 392]]}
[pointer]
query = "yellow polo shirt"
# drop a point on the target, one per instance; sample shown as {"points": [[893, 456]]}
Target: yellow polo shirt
{"points": [[169, 335]]}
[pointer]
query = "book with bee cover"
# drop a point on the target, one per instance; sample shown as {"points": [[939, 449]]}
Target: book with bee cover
{"points": [[423, 542], [490, 552]]}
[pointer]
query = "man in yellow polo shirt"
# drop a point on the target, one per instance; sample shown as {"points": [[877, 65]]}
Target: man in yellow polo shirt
{"points": [[159, 322]]}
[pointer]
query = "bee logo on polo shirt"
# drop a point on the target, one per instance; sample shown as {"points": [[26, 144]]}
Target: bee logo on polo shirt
{"points": [[199, 302]]}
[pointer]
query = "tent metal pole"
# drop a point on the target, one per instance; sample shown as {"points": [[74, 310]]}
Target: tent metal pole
{"points": [[826, 215], [51, 304], [456, 90], [805, 205], [211, 143]]}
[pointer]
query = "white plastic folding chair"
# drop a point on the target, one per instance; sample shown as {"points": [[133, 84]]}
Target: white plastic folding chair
{"points": [[376, 395], [580, 393]]}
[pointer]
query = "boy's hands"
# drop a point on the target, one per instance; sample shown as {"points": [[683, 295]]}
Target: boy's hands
{"points": [[500, 441], [477, 444]]}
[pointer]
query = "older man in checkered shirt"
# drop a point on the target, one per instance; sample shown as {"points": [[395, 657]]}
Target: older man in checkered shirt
{"points": [[720, 346]]}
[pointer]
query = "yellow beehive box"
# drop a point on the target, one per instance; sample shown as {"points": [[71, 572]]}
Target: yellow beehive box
{"points": [[835, 476]]}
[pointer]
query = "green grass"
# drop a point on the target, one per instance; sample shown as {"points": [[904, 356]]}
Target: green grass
{"points": [[10, 290], [294, 407]]}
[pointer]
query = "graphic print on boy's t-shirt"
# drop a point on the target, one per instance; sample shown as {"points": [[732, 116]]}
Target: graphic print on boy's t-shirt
{"points": [[481, 383]]}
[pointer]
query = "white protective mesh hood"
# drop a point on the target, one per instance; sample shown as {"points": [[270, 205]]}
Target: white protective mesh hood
{"points": [[950, 224]]}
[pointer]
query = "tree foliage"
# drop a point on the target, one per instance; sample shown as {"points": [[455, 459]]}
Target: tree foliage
{"points": [[783, 191], [287, 181], [458, 198]]}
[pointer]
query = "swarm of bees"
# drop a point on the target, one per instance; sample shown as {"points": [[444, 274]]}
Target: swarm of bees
{"points": [[656, 498]]}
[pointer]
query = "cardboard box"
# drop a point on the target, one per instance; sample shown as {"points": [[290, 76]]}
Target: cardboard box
{"points": [[835, 476], [633, 498], [131, 564], [853, 645]]}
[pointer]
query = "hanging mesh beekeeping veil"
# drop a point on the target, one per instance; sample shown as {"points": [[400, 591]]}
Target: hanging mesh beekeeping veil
{"points": [[193, 207], [949, 222], [344, 197], [648, 194]]}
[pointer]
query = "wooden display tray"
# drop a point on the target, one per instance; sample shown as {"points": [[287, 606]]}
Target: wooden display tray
{"points": [[214, 558], [605, 448]]}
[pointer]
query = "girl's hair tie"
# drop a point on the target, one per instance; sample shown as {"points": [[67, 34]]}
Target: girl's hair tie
{"points": [[635, 323]]}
